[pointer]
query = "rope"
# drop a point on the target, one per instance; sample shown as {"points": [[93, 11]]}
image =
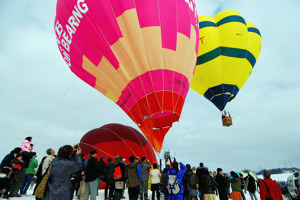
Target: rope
{"points": [[54, 111]]}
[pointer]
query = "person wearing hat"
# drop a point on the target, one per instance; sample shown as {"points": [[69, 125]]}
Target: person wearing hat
{"points": [[91, 177], [102, 166]]}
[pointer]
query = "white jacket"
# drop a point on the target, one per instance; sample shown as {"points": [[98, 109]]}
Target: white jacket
{"points": [[46, 163], [155, 176]]}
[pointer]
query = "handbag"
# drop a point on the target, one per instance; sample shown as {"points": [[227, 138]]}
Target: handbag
{"points": [[267, 198], [40, 191], [119, 185]]}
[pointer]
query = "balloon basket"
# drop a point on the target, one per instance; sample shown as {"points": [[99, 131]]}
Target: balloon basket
{"points": [[226, 119]]}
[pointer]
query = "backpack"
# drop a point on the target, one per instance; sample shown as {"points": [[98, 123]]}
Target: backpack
{"points": [[192, 181], [173, 188], [117, 173]]}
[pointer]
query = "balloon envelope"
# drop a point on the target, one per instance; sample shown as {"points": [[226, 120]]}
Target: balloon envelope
{"points": [[116, 139], [141, 54], [228, 49]]}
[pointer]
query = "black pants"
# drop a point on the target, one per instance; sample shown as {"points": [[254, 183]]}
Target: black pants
{"points": [[111, 187], [133, 192], [155, 189]]}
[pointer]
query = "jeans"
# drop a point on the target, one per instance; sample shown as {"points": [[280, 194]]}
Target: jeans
{"points": [[26, 183]]}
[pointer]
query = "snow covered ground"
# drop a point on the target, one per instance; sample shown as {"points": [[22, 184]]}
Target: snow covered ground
{"points": [[276, 177]]}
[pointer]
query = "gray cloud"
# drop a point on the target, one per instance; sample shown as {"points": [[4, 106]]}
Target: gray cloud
{"points": [[41, 97]]}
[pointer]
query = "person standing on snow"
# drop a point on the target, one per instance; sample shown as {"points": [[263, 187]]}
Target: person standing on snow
{"points": [[29, 173], [50, 152], [133, 176], [268, 188], [155, 181], [209, 186], [178, 174], [236, 186], [251, 186], [145, 166], [91, 177], [119, 176], [191, 181], [102, 166], [109, 179], [221, 181], [200, 171], [164, 181], [59, 185]]}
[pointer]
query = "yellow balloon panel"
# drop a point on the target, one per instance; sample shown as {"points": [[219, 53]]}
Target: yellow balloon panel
{"points": [[228, 49]]}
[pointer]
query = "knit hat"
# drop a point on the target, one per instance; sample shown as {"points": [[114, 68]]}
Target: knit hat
{"points": [[117, 158]]}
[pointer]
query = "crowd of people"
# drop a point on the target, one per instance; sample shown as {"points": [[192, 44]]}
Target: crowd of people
{"points": [[68, 174]]}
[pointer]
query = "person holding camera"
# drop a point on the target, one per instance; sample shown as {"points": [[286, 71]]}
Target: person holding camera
{"points": [[59, 182]]}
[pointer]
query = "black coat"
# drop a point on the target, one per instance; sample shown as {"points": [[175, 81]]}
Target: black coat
{"points": [[92, 170], [109, 174], [207, 184], [221, 181], [26, 156], [251, 187], [7, 160], [190, 179], [102, 169]]}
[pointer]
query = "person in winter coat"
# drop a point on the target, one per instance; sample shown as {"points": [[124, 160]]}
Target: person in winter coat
{"points": [[179, 174], [208, 185], [191, 181], [133, 176], [29, 173], [221, 181], [236, 186], [6, 162], [269, 189], [26, 156], [25, 146], [59, 182], [50, 152], [243, 186], [16, 165], [39, 176], [251, 186], [119, 177], [109, 179], [164, 182], [91, 177], [227, 184], [201, 170], [155, 181], [145, 166], [102, 168]]}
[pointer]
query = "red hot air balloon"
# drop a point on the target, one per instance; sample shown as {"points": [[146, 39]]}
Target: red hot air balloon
{"points": [[141, 54], [116, 139]]}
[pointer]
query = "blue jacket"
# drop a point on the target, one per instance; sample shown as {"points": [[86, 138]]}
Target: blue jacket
{"points": [[180, 175], [59, 183]]}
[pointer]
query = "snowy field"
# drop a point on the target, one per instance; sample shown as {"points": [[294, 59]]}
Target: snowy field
{"points": [[276, 177]]}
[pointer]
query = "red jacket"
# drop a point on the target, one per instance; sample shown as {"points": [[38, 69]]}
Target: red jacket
{"points": [[273, 187]]}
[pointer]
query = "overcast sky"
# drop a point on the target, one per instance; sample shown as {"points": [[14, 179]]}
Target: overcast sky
{"points": [[42, 98]]}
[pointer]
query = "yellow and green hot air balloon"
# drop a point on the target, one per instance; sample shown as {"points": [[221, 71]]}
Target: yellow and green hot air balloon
{"points": [[228, 49]]}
